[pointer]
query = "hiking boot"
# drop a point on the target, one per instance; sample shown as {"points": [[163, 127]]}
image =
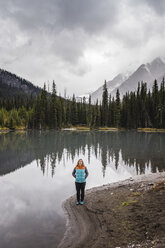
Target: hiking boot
{"points": [[81, 202], [77, 202]]}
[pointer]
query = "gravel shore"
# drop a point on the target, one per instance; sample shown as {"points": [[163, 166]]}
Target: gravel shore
{"points": [[128, 213]]}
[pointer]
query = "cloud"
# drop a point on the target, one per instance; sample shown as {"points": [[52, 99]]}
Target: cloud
{"points": [[78, 42], [90, 15], [158, 6], [68, 24]]}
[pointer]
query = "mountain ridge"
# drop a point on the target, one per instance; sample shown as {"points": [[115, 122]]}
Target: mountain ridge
{"points": [[145, 72], [11, 85]]}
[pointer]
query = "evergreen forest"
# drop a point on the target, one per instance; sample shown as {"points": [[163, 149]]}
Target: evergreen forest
{"points": [[139, 109]]}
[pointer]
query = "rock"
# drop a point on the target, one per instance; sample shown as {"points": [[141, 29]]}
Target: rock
{"points": [[150, 184]]}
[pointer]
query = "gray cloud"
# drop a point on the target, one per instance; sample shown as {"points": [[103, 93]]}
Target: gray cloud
{"points": [[72, 40], [158, 5], [89, 15], [67, 23]]}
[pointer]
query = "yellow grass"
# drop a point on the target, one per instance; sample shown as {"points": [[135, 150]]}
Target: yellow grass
{"points": [[127, 203], [151, 130], [20, 128], [108, 128], [4, 129], [82, 128]]}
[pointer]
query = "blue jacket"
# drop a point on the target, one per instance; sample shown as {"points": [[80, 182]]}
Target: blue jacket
{"points": [[80, 174]]}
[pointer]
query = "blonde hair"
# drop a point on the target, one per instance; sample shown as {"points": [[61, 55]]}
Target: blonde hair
{"points": [[82, 162]]}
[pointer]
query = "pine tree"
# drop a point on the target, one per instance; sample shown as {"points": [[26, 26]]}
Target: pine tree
{"points": [[110, 112], [74, 112], [68, 113], [117, 109], [161, 107], [53, 107], [105, 105], [84, 115], [59, 112], [89, 113], [44, 107], [96, 116], [144, 114], [155, 103], [37, 113], [113, 112]]}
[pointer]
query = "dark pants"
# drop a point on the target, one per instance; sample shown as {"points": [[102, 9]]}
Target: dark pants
{"points": [[80, 187]]}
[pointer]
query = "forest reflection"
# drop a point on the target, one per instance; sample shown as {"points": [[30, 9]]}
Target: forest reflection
{"points": [[139, 150]]}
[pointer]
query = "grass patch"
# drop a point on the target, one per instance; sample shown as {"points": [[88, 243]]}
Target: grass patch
{"points": [[6, 129], [20, 128], [136, 193], [159, 130], [127, 203], [82, 128], [108, 129]]}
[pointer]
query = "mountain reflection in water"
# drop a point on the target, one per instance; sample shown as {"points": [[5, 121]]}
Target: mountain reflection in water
{"points": [[139, 150]]}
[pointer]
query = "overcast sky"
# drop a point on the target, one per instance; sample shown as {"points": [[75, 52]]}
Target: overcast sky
{"points": [[79, 43]]}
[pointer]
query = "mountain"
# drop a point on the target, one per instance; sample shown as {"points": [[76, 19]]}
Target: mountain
{"points": [[111, 85], [146, 72], [11, 85]]}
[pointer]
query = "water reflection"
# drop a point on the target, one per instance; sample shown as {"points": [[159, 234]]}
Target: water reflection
{"points": [[139, 150], [35, 176], [30, 214]]}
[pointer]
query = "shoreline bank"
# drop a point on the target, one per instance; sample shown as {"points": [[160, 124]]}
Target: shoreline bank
{"points": [[128, 213], [82, 128]]}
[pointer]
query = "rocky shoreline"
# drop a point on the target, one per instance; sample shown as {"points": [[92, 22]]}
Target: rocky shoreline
{"points": [[128, 213]]}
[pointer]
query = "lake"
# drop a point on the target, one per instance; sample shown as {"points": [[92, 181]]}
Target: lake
{"points": [[36, 176]]}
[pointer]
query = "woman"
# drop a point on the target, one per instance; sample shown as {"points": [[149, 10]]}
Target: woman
{"points": [[80, 172]]}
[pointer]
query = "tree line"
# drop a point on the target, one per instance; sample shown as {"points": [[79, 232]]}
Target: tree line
{"points": [[141, 108]]}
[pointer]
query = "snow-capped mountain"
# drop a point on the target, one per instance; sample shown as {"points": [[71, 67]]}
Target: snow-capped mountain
{"points": [[111, 85], [146, 72]]}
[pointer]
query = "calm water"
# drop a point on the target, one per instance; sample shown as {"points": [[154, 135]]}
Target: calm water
{"points": [[35, 176]]}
